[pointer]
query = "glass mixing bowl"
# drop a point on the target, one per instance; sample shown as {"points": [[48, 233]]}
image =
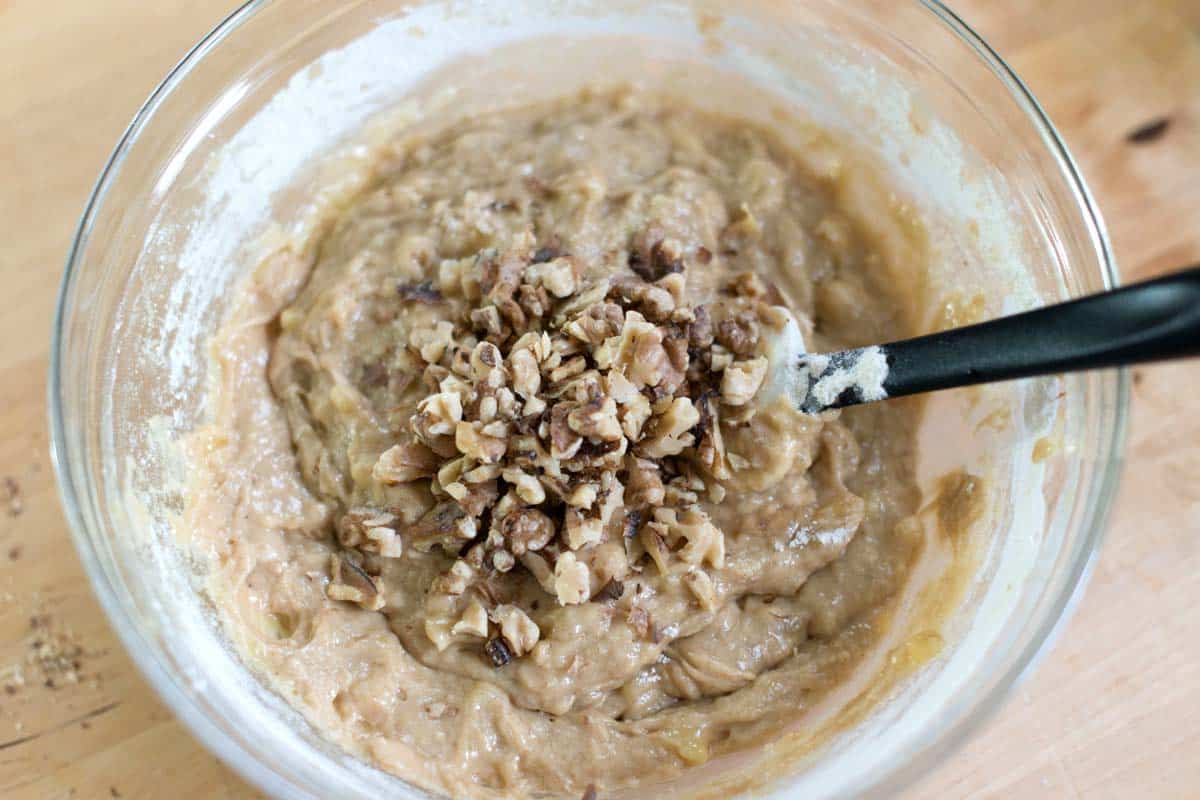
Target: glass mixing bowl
{"points": [[224, 147]]}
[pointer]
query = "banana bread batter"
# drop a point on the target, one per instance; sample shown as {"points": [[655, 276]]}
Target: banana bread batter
{"points": [[490, 495]]}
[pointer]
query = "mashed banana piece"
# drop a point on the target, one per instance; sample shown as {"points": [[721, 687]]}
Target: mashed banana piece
{"points": [[492, 501]]}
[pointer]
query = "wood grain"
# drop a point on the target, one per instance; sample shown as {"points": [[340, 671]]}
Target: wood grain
{"points": [[1113, 711]]}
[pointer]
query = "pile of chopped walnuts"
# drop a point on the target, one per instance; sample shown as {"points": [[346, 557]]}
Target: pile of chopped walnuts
{"points": [[570, 429]]}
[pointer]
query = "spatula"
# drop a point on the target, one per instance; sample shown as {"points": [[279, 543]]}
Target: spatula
{"points": [[1151, 321]]}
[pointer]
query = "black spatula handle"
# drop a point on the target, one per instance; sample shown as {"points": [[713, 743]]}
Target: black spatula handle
{"points": [[1151, 321]]}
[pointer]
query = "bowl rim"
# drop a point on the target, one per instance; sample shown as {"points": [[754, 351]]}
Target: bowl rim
{"points": [[136, 644], [1102, 492], [1097, 504]]}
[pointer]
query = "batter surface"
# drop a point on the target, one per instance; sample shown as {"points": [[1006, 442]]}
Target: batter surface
{"points": [[490, 494]]}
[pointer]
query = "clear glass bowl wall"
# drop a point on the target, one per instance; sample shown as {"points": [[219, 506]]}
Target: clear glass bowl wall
{"points": [[223, 147]]}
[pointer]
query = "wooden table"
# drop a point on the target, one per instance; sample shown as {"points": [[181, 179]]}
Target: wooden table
{"points": [[1114, 711]]}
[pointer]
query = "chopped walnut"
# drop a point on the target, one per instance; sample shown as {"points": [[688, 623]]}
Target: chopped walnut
{"points": [[668, 434], [639, 621], [680, 493], [557, 276], [601, 457], [348, 582], [564, 442], [676, 285], [654, 256], [701, 586], [643, 484], [571, 580], [405, 463], [485, 359], [495, 430], [438, 631], [587, 297], [527, 530], [488, 322], [508, 504], [596, 420], [739, 334], [473, 622], [583, 496], [639, 353], [438, 415], [528, 488], [455, 580], [608, 562], [431, 343], [719, 358], [742, 380], [655, 302], [503, 561], [452, 384], [569, 429], [700, 332], [541, 570], [573, 366], [581, 528], [653, 537], [446, 525], [356, 529], [634, 416], [703, 541], [526, 378], [481, 474], [710, 449], [506, 403], [472, 442], [385, 541], [597, 324], [435, 421], [519, 631], [534, 300]]}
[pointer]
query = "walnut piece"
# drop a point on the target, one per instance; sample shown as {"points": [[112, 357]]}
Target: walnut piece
{"points": [[643, 484], [405, 463], [519, 631], [742, 380], [454, 581], [571, 580], [596, 420], [638, 353], [370, 530], [472, 442], [701, 587], [446, 525], [526, 530], [348, 582], [527, 487], [556, 276], [739, 334], [581, 528], [431, 343], [703, 541], [668, 435], [473, 622]]}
